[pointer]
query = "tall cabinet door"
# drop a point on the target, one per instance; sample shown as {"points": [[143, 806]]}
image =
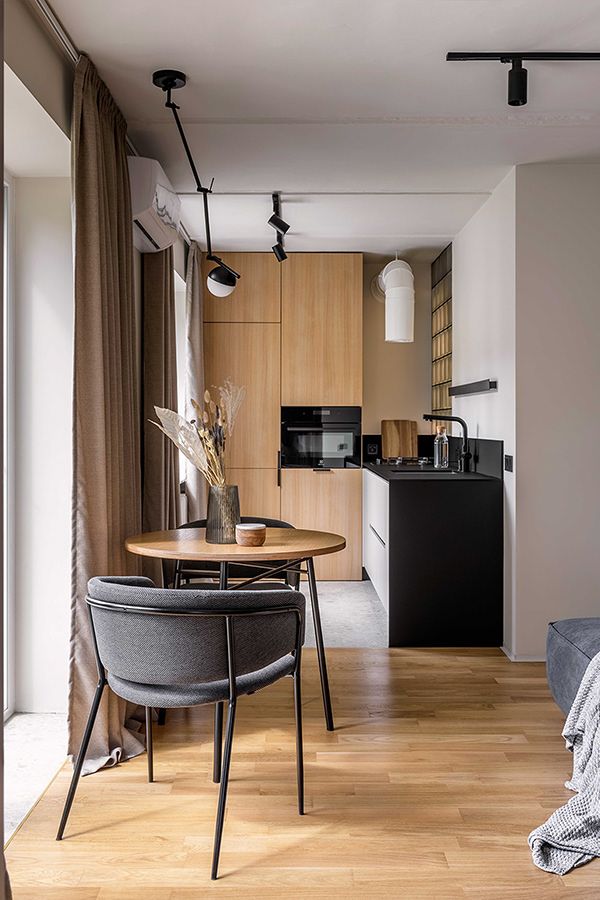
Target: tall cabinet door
{"points": [[257, 294], [249, 354], [327, 500], [321, 329]]}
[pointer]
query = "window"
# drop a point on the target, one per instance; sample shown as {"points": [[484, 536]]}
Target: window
{"points": [[7, 431]]}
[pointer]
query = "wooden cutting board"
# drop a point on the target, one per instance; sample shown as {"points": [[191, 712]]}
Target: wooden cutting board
{"points": [[398, 437]]}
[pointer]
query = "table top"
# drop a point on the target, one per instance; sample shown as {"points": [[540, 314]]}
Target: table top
{"points": [[190, 543]]}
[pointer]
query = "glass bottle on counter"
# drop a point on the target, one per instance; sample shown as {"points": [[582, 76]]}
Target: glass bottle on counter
{"points": [[440, 448]]}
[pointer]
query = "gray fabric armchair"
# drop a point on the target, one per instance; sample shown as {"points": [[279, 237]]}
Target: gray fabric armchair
{"points": [[570, 645], [173, 648]]}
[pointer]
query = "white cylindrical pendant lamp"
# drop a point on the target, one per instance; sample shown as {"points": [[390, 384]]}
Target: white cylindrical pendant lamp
{"points": [[396, 282], [400, 314]]}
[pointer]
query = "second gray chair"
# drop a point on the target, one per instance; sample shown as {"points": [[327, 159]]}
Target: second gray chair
{"points": [[177, 648]]}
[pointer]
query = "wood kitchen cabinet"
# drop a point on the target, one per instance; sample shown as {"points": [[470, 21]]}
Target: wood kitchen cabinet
{"points": [[321, 329], [329, 500], [249, 354], [259, 492], [257, 295]]}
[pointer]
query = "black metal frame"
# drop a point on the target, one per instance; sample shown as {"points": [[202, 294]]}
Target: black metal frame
{"points": [[223, 776]]}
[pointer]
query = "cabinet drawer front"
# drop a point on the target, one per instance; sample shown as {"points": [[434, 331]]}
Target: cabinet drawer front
{"points": [[376, 563], [376, 504]]}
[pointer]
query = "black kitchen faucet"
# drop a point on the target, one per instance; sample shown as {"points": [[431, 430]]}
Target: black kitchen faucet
{"points": [[465, 455]]}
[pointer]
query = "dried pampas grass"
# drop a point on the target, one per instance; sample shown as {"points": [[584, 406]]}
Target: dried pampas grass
{"points": [[202, 440]]}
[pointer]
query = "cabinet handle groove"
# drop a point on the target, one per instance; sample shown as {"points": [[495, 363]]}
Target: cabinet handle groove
{"points": [[379, 538]]}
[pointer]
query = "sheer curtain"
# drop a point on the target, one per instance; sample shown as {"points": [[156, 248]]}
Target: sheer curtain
{"points": [[195, 485], [106, 421], [160, 472]]}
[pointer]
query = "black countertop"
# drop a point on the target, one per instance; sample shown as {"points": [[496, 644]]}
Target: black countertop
{"points": [[425, 473]]}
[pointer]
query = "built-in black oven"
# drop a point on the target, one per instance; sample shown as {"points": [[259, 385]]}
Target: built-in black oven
{"points": [[320, 437]]}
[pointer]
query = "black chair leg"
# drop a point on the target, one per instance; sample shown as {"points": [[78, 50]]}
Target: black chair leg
{"points": [[218, 742], [299, 748], [223, 790], [162, 716], [149, 746], [81, 757]]}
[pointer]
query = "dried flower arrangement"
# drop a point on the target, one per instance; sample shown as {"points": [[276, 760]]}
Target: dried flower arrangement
{"points": [[203, 440]]}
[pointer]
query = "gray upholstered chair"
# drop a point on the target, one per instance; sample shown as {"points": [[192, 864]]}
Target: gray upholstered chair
{"points": [[173, 648], [571, 645], [186, 570]]}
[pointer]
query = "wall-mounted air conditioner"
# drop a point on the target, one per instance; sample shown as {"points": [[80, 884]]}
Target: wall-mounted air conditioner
{"points": [[155, 206]]}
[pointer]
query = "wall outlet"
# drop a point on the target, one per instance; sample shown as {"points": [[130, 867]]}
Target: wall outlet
{"points": [[508, 463]]}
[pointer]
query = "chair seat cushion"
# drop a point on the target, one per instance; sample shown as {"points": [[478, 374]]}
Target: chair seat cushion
{"points": [[169, 696], [571, 644]]}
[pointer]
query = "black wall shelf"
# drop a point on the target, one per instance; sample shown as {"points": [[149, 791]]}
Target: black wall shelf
{"points": [[475, 387]]}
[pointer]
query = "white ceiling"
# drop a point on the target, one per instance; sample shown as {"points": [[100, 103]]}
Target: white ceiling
{"points": [[34, 145], [308, 97]]}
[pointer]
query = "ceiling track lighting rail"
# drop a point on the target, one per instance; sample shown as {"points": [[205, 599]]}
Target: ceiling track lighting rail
{"points": [[517, 75], [280, 226], [221, 280]]}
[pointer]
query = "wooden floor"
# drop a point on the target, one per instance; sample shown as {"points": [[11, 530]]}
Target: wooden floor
{"points": [[441, 764]]}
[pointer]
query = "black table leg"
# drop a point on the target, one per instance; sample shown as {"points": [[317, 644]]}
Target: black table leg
{"points": [[223, 572], [314, 600]]}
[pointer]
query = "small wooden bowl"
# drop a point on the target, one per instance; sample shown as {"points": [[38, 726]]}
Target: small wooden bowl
{"points": [[251, 534]]}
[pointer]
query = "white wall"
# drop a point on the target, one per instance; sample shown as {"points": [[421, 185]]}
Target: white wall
{"points": [[558, 391], [527, 311], [483, 289], [396, 377], [43, 327]]}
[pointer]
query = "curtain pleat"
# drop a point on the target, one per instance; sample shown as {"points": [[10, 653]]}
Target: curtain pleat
{"points": [[106, 423], [195, 485], [160, 471]]}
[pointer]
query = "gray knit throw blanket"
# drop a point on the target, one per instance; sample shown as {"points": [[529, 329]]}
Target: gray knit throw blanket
{"points": [[571, 836]]}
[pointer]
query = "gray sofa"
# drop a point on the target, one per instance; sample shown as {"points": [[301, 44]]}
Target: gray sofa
{"points": [[571, 644]]}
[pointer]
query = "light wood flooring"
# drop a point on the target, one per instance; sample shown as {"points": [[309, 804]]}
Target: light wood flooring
{"points": [[441, 764]]}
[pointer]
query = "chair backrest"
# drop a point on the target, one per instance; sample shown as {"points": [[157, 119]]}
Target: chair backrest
{"points": [[237, 570], [263, 520], [181, 636]]}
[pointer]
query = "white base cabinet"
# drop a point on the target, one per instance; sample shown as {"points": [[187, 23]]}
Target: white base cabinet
{"points": [[376, 516]]}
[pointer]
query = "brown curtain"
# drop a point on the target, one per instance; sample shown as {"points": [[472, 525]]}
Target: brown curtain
{"points": [[161, 463], [195, 485], [106, 421]]}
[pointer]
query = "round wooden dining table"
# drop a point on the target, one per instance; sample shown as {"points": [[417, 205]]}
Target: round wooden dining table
{"points": [[295, 546]]}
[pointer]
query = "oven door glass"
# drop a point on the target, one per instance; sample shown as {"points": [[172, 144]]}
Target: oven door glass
{"points": [[319, 447]]}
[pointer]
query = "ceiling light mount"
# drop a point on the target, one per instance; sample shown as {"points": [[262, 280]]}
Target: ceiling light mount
{"points": [[517, 75], [169, 79], [221, 281]]}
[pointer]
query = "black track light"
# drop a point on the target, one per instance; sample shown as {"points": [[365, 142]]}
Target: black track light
{"points": [[280, 227], [517, 75], [279, 252], [278, 224], [517, 84]]}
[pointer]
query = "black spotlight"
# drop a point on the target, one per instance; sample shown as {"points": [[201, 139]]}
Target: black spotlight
{"points": [[517, 84], [279, 252], [278, 224]]}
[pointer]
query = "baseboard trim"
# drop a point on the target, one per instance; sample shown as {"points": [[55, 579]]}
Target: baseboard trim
{"points": [[521, 658]]}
